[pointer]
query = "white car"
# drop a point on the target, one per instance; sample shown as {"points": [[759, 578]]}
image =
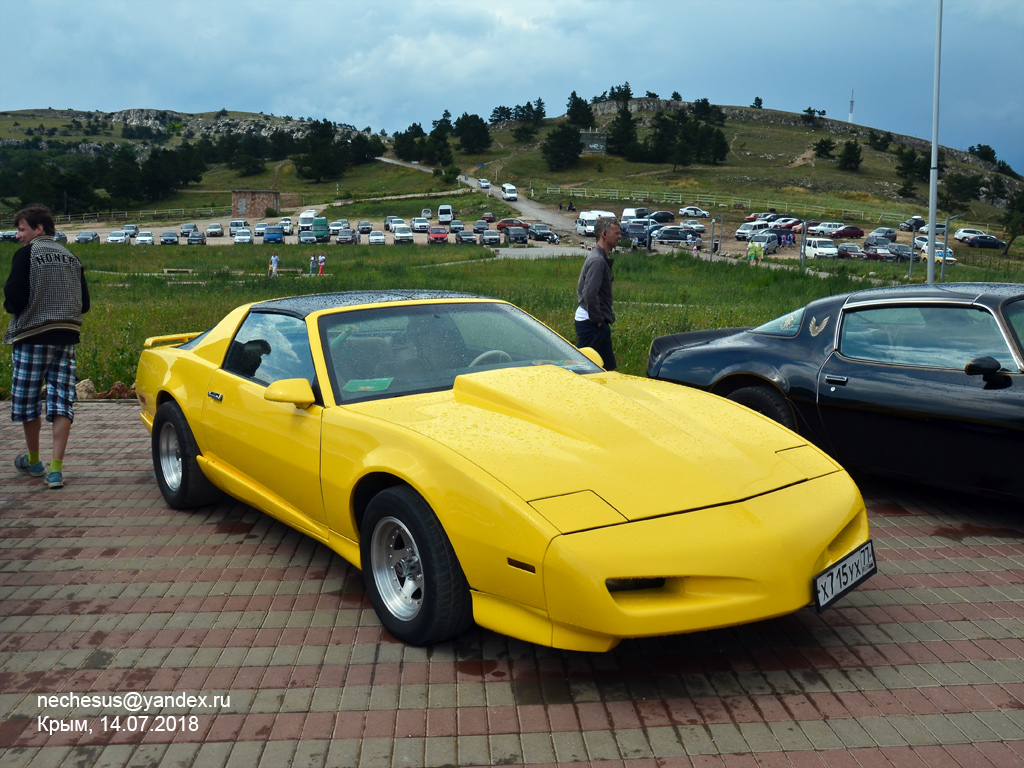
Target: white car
{"points": [[940, 229], [785, 223], [261, 228], [286, 224], [693, 210], [820, 248], [920, 243], [214, 230], [483, 184], [963, 234], [243, 236], [376, 237], [402, 233], [693, 224], [144, 238], [395, 223], [419, 224], [119, 236]]}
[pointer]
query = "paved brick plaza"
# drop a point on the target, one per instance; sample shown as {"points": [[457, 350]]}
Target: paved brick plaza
{"points": [[105, 591]]}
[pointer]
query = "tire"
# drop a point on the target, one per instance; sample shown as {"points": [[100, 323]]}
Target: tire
{"points": [[768, 402], [181, 481], [412, 576]]}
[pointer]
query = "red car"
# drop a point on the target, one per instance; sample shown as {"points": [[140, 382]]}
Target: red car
{"points": [[510, 223], [803, 225], [755, 216], [487, 216], [878, 252], [848, 231], [437, 234]]}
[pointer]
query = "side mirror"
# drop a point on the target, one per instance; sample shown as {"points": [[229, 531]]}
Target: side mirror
{"points": [[298, 392], [982, 366], [593, 356]]}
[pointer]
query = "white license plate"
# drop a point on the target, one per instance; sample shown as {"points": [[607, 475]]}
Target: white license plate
{"points": [[838, 579]]}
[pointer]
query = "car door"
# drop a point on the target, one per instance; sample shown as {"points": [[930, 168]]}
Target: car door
{"points": [[894, 396], [274, 447]]}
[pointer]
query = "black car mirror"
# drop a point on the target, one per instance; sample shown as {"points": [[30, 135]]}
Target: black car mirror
{"points": [[982, 366]]}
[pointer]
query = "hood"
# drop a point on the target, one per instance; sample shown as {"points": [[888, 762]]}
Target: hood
{"points": [[645, 447]]}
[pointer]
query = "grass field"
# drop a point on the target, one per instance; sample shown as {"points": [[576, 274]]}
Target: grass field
{"points": [[132, 299]]}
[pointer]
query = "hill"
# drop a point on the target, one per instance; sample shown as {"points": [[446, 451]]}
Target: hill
{"points": [[771, 156]]}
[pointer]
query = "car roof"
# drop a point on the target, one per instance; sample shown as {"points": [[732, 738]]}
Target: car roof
{"points": [[301, 306], [966, 292]]}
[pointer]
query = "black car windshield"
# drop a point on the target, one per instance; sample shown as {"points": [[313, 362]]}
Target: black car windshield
{"points": [[403, 350]]}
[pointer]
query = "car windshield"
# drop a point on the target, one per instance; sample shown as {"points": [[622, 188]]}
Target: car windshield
{"points": [[403, 350]]}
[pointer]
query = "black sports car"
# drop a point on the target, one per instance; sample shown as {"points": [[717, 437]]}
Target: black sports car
{"points": [[924, 382]]}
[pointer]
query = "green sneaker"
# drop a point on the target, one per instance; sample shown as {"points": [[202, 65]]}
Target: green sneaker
{"points": [[55, 479], [35, 470]]}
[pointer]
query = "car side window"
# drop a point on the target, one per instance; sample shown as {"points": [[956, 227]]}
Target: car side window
{"points": [[1015, 316], [269, 347], [925, 336]]}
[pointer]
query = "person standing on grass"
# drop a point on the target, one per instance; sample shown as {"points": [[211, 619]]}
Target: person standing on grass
{"points": [[312, 263], [594, 315], [47, 294], [321, 260], [275, 262]]}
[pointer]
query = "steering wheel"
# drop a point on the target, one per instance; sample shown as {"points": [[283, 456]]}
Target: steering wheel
{"points": [[491, 355]]}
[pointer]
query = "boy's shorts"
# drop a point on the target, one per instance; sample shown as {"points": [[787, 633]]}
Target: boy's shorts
{"points": [[34, 365]]}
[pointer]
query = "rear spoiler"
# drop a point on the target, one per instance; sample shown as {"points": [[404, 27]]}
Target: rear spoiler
{"points": [[176, 338]]}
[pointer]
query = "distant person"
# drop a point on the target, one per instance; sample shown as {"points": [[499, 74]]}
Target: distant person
{"points": [[312, 264], [594, 315], [321, 260], [47, 294], [275, 262]]}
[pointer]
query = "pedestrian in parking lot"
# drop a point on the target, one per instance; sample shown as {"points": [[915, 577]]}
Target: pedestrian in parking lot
{"points": [[321, 260], [312, 264], [594, 314], [274, 264], [47, 294]]}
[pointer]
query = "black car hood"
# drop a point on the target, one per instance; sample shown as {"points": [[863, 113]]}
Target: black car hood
{"points": [[663, 345]]}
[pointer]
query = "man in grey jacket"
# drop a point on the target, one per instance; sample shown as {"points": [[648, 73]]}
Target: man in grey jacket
{"points": [[594, 315], [47, 294]]}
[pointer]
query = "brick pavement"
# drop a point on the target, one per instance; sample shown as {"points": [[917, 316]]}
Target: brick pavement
{"points": [[106, 591]]}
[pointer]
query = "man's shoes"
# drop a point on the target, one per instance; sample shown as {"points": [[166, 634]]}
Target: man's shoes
{"points": [[35, 470], [55, 479]]}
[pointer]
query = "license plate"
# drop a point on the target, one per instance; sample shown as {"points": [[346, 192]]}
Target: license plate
{"points": [[838, 579]]}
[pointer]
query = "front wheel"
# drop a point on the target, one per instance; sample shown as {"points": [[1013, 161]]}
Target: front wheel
{"points": [[766, 401], [412, 576], [181, 481]]}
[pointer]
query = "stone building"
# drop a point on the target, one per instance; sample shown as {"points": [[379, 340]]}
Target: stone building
{"points": [[254, 202]]}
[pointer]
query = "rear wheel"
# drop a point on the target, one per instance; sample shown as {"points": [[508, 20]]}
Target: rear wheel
{"points": [[766, 401], [412, 576], [181, 481]]}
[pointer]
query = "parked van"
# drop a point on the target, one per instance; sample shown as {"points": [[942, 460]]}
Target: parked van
{"points": [[306, 220], [826, 228], [586, 220], [750, 228], [321, 229], [509, 192], [820, 248], [634, 213], [445, 214], [237, 224]]}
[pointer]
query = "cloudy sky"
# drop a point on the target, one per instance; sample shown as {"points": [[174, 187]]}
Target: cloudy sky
{"points": [[388, 63]]}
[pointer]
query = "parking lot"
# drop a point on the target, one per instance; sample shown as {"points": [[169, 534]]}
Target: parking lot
{"points": [[106, 591]]}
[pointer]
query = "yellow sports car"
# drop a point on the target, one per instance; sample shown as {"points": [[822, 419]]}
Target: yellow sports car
{"points": [[478, 467]]}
